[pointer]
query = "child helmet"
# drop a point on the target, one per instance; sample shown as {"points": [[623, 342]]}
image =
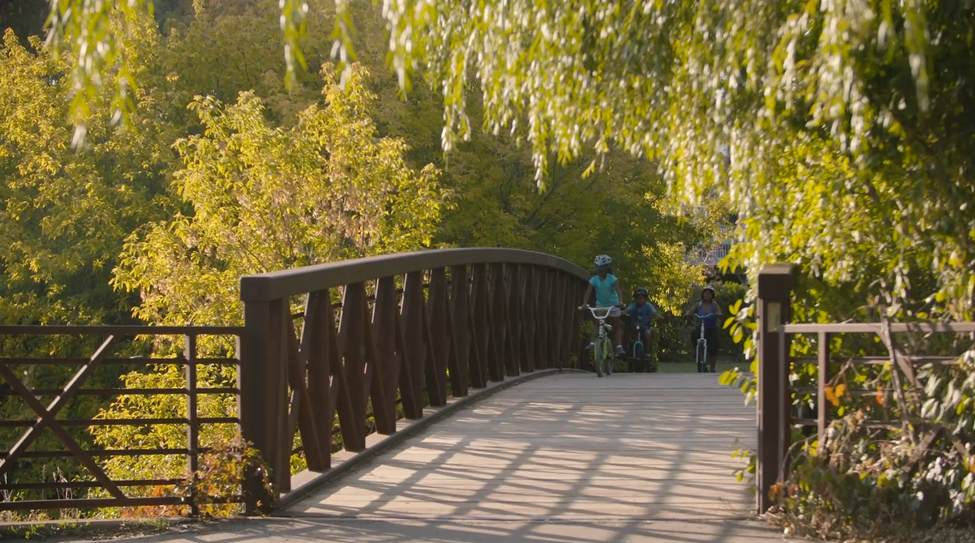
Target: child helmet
{"points": [[602, 261], [640, 292]]}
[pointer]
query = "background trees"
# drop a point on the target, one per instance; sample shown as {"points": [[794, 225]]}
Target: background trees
{"points": [[218, 170]]}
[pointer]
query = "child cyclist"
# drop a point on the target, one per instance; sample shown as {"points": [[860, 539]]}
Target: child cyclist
{"points": [[608, 294], [642, 313]]}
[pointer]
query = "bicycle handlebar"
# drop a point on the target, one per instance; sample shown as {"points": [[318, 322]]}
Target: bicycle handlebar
{"points": [[594, 309]]}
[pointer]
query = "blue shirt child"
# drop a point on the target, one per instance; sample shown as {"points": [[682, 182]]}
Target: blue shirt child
{"points": [[641, 314]]}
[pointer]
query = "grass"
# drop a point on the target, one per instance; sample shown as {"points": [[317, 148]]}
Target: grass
{"points": [[689, 366], [88, 529]]}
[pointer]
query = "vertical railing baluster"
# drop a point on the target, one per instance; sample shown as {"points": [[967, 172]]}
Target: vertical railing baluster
{"points": [[314, 346], [353, 399], [577, 334], [458, 328], [281, 460], [558, 308], [528, 307], [385, 381], [568, 308], [481, 333], [544, 321], [263, 397], [436, 371], [536, 300], [192, 420], [497, 359], [412, 322], [515, 324]]}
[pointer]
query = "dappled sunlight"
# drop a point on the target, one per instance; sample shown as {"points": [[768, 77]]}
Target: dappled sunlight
{"points": [[567, 448], [568, 459]]}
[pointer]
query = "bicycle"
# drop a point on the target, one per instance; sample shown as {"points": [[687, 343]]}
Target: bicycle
{"points": [[603, 348], [701, 353], [639, 352]]}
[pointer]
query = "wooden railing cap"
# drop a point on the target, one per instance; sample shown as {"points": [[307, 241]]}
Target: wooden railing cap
{"points": [[284, 283]]}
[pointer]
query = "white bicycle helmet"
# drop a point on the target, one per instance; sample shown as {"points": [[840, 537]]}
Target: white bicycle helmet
{"points": [[602, 261], [707, 288]]}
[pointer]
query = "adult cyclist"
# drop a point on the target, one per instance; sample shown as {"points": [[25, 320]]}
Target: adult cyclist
{"points": [[708, 310]]}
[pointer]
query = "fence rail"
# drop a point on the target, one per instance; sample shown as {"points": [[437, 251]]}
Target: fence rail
{"points": [[775, 391], [13, 387]]}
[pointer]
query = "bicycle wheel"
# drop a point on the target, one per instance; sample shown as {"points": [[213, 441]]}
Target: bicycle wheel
{"points": [[638, 355], [597, 358], [702, 356], [607, 357]]}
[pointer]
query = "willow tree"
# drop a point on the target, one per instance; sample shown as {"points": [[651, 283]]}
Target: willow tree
{"points": [[846, 121]]}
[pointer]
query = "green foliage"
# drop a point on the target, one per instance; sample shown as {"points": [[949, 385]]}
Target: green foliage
{"points": [[64, 214], [223, 471], [163, 436], [821, 124], [869, 480], [261, 199], [836, 131], [264, 198], [63, 218]]}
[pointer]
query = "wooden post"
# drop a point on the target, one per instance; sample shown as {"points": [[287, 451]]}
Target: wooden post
{"points": [[775, 284], [261, 353]]}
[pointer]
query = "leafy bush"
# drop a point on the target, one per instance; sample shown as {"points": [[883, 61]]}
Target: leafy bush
{"points": [[898, 453]]}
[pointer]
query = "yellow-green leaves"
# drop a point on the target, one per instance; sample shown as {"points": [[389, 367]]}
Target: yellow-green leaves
{"points": [[261, 198]]}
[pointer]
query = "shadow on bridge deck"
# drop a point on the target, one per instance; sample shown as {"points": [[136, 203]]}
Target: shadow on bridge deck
{"points": [[568, 458]]}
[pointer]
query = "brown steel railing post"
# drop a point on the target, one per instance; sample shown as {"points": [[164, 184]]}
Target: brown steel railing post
{"points": [[192, 422], [260, 348], [775, 284]]}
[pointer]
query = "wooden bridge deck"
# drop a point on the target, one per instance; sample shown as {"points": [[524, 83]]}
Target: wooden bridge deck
{"points": [[561, 459], [569, 447]]}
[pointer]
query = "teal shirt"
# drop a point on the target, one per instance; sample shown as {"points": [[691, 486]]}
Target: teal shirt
{"points": [[606, 295]]}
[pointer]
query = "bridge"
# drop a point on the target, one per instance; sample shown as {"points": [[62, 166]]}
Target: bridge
{"points": [[440, 395], [559, 457]]}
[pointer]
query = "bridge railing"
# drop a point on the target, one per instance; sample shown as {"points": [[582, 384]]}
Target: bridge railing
{"points": [[776, 394], [409, 328], [30, 451], [368, 340]]}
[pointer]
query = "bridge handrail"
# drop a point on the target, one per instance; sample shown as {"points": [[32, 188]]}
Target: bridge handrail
{"points": [[279, 284], [411, 330]]}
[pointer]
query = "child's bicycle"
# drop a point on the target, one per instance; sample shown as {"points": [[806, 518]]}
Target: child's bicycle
{"points": [[603, 355], [701, 351], [638, 352]]}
